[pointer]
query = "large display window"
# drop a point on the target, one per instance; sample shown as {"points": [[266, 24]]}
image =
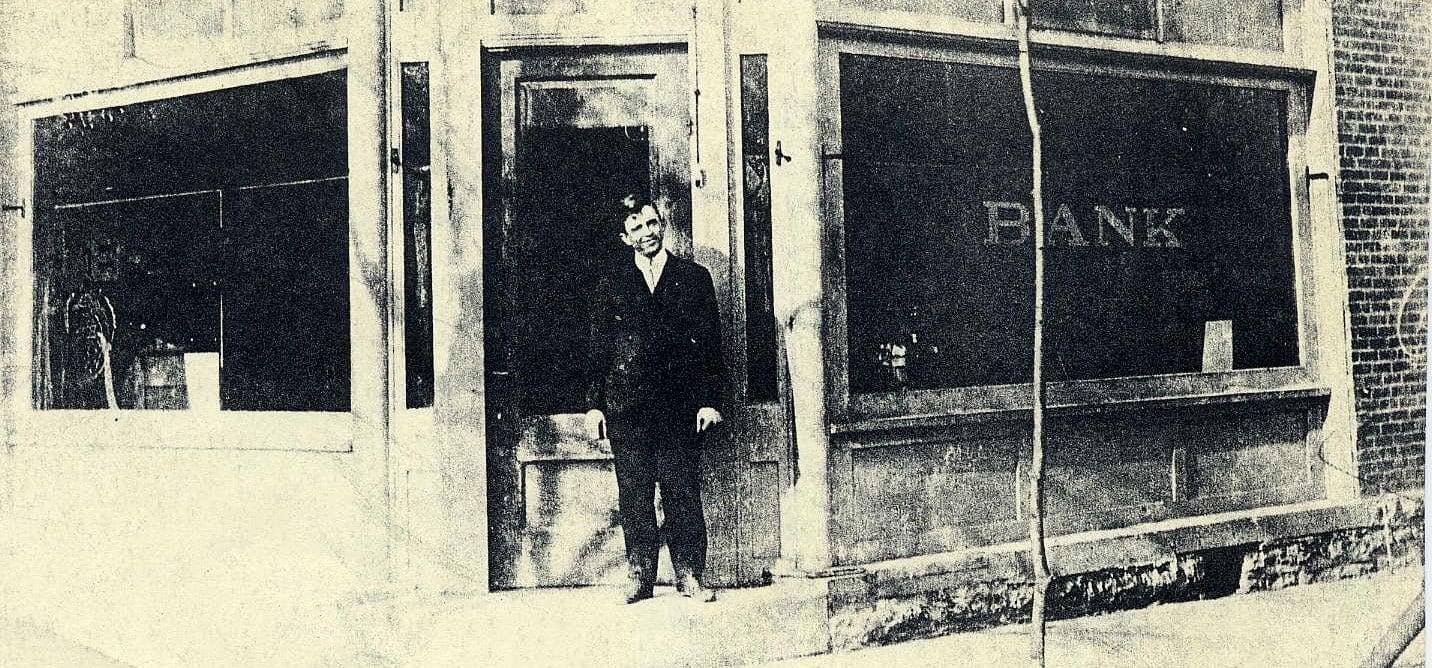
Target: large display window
{"points": [[1171, 228], [192, 252]]}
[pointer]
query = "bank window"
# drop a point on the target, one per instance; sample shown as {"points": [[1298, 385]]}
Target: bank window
{"points": [[1168, 214], [192, 252]]}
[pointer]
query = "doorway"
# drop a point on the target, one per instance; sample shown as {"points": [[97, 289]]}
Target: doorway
{"points": [[568, 133]]}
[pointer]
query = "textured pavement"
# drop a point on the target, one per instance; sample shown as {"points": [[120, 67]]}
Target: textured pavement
{"points": [[1330, 624]]}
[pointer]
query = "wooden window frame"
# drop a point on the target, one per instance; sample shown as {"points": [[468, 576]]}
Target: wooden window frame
{"points": [[233, 430], [897, 409], [836, 15]]}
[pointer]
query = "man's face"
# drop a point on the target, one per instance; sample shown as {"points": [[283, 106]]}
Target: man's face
{"points": [[643, 231]]}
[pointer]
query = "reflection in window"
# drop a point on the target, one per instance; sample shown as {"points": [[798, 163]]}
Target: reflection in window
{"points": [[1173, 223], [417, 236], [143, 292], [192, 252], [756, 208]]}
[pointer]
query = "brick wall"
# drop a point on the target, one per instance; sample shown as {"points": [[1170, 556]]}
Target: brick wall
{"points": [[1381, 74]]}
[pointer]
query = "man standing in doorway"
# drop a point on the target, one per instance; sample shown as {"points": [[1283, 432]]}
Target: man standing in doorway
{"points": [[655, 379]]}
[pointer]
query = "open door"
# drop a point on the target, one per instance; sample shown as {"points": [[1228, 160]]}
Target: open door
{"points": [[567, 132]]}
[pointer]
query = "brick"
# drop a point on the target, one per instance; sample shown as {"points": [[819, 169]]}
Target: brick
{"points": [[1380, 61]]}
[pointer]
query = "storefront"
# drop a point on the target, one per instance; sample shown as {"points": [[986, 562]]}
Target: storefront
{"points": [[1179, 221], [375, 250]]}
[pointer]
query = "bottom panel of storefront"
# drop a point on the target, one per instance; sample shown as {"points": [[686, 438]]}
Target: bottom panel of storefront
{"points": [[902, 493]]}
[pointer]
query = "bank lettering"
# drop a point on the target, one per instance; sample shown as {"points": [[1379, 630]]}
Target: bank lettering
{"points": [[1009, 225]]}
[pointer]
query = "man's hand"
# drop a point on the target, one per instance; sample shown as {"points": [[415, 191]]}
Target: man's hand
{"points": [[596, 424], [706, 417]]}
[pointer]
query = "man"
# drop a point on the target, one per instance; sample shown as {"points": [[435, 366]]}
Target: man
{"points": [[655, 381]]}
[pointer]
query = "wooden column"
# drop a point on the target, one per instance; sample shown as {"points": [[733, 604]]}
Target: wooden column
{"points": [[1327, 320], [368, 260], [13, 223], [798, 273], [457, 247]]}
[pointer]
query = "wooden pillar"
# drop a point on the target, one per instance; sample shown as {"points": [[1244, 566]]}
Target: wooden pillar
{"points": [[13, 191], [1327, 320], [457, 246], [798, 275], [368, 260]]}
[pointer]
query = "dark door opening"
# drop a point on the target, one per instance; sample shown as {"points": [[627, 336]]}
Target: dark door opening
{"points": [[564, 236]]}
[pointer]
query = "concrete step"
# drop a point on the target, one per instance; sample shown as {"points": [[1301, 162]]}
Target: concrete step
{"points": [[592, 626]]}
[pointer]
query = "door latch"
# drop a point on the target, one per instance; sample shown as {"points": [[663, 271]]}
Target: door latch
{"points": [[781, 156]]}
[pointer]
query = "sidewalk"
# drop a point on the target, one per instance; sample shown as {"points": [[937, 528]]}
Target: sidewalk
{"points": [[1313, 625], [1332, 624]]}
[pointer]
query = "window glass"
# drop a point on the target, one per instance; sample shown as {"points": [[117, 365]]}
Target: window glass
{"points": [[562, 239], [192, 252], [150, 267], [991, 11], [285, 318], [756, 207], [1124, 18], [1250, 23], [417, 236], [1167, 212]]}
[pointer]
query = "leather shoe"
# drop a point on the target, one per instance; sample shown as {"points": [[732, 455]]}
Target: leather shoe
{"points": [[688, 585], [640, 581], [636, 591]]}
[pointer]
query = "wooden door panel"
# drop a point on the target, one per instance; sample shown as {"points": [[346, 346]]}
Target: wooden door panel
{"points": [[568, 531]]}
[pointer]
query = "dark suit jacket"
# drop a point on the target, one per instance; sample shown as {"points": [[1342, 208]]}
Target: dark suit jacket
{"points": [[655, 352]]}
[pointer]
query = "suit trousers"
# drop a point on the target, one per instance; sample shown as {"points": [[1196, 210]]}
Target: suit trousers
{"points": [[651, 448]]}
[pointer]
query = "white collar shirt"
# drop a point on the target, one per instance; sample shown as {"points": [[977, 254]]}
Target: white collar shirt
{"points": [[651, 267]]}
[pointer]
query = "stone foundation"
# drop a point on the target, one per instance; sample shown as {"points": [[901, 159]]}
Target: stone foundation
{"points": [[880, 607], [1342, 554]]}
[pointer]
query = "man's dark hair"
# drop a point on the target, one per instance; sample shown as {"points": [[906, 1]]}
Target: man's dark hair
{"points": [[629, 205]]}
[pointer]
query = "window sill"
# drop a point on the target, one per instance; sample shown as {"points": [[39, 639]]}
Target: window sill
{"points": [[1075, 408], [187, 430]]}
